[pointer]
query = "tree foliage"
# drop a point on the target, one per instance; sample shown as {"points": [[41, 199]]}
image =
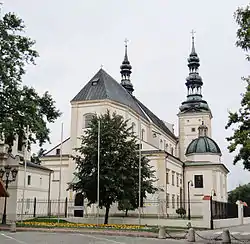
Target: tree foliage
{"points": [[21, 106], [240, 121], [35, 157], [119, 164], [240, 193]]}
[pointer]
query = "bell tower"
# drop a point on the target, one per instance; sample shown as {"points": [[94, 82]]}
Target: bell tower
{"points": [[194, 109]]}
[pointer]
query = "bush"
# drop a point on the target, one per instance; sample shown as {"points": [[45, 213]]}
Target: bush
{"points": [[181, 212]]}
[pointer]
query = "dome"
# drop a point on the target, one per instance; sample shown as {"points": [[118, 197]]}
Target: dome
{"points": [[203, 144]]}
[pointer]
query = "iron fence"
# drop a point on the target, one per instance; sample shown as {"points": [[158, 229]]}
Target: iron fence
{"points": [[32, 208], [43, 208], [246, 211], [224, 210]]}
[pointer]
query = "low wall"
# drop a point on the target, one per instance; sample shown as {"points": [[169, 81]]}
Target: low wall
{"points": [[221, 223], [246, 221], [144, 221]]}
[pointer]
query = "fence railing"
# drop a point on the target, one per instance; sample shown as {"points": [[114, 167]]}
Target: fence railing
{"points": [[224, 210], [246, 211], [151, 208], [40, 208]]}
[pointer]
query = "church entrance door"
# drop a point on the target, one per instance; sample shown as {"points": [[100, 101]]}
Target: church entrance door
{"points": [[78, 209]]}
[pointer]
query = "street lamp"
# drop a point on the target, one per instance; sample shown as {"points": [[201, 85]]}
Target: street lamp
{"points": [[10, 174], [190, 183], [213, 194]]}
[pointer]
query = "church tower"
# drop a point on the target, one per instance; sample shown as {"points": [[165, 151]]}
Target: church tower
{"points": [[194, 110]]}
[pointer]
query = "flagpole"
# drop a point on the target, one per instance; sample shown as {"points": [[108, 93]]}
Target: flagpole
{"points": [[140, 172], [25, 171], [60, 174], [98, 170]]}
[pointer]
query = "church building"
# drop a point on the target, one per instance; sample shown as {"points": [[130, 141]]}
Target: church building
{"points": [[189, 161]]}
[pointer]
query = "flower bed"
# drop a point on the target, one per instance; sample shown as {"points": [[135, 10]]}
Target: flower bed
{"points": [[81, 225]]}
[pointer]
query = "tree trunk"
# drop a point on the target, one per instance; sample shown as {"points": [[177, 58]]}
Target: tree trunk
{"points": [[126, 213], [106, 215]]}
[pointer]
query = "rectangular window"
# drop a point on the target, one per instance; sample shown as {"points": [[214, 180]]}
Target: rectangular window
{"points": [[41, 181], [167, 200], [193, 129], [198, 181], [178, 202], [167, 179], [58, 151], [177, 180], [173, 178], [29, 180], [173, 201], [180, 181]]}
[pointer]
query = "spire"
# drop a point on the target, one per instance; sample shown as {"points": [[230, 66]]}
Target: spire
{"points": [[194, 83], [126, 71], [193, 48], [202, 129]]}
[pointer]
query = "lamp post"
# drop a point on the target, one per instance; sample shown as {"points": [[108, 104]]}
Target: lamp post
{"points": [[7, 171], [211, 209], [190, 183]]}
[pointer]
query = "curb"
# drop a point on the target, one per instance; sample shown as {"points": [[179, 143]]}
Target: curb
{"points": [[84, 231]]}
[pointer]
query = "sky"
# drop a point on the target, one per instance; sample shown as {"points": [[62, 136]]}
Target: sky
{"points": [[75, 38]]}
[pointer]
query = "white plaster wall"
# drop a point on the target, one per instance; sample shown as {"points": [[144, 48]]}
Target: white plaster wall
{"points": [[208, 157], [54, 164], [38, 188], [246, 220], [211, 180], [187, 121], [78, 110], [222, 223]]}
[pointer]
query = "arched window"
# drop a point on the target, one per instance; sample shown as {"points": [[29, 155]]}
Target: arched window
{"points": [[87, 120], [142, 134]]}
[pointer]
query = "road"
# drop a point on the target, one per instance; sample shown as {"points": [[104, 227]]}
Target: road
{"points": [[69, 238]]}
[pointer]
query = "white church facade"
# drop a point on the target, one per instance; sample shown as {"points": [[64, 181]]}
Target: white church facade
{"points": [[187, 162]]}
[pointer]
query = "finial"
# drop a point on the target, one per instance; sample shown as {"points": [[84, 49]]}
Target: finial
{"points": [[101, 66], [126, 42], [126, 50], [193, 49]]}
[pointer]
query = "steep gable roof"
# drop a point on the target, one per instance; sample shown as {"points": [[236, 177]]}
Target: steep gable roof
{"points": [[102, 86]]}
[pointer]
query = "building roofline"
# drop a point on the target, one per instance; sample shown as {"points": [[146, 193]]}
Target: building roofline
{"points": [[37, 166], [194, 164], [56, 146]]}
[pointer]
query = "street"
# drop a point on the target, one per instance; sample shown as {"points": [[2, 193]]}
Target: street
{"points": [[59, 238]]}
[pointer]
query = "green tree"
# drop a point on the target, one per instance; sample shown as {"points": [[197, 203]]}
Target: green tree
{"points": [[21, 107], [119, 164], [240, 121], [240, 193], [35, 157]]}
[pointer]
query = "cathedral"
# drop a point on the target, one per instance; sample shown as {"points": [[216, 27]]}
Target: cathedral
{"points": [[188, 164]]}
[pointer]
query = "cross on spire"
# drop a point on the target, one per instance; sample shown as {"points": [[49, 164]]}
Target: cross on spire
{"points": [[126, 41], [193, 32]]}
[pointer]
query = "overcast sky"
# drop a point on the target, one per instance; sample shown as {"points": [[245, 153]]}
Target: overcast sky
{"points": [[75, 38]]}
